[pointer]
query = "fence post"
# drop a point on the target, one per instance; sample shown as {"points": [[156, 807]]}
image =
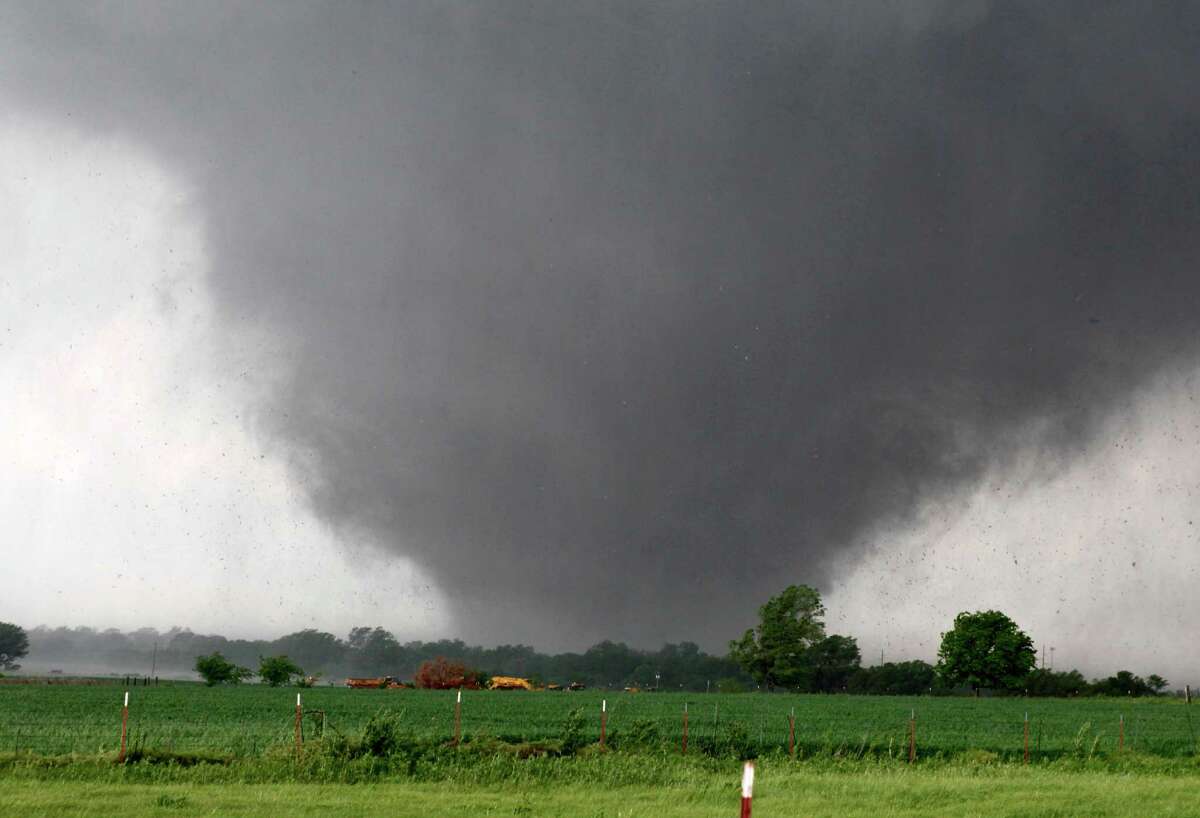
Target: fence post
{"points": [[458, 717], [912, 737], [1121, 733], [1187, 709], [792, 733], [603, 720], [124, 728], [299, 725], [1026, 737], [685, 726], [747, 788]]}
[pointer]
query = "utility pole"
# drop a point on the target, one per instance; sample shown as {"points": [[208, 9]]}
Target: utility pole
{"points": [[1052, 657]]}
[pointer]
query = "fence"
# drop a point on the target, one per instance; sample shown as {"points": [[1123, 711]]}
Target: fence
{"points": [[243, 721]]}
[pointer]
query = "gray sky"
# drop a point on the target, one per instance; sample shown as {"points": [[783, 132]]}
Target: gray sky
{"points": [[551, 322]]}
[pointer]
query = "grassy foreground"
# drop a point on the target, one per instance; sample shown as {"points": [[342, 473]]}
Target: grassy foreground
{"points": [[1006, 792]]}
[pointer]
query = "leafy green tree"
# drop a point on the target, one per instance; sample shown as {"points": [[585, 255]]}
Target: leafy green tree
{"points": [[834, 660], [358, 637], [374, 651], [315, 650], [1043, 682], [609, 663], [277, 671], [1126, 683], [776, 654], [215, 669], [894, 679], [14, 643], [642, 676], [985, 649]]}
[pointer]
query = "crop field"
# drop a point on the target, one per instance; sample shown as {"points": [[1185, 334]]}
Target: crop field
{"points": [[247, 720], [231, 751]]}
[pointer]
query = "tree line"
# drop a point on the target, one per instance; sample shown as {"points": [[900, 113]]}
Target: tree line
{"points": [[982, 651], [789, 650], [375, 651]]}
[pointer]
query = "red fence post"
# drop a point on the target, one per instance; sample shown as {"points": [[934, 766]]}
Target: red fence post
{"points": [[299, 725], [1187, 709], [1026, 737], [912, 737], [124, 728], [603, 720], [458, 718], [685, 726], [747, 788], [792, 733], [1121, 738]]}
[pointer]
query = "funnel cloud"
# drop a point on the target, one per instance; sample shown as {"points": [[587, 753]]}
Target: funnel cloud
{"points": [[617, 319]]}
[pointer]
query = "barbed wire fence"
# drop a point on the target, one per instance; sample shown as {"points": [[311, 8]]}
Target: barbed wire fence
{"points": [[758, 725]]}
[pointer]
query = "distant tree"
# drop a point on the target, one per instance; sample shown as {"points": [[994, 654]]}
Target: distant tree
{"points": [[358, 636], [374, 651], [14, 643], [985, 649], [642, 676], [776, 654], [1043, 682], [445, 674], [608, 663], [215, 669], [315, 650], [834, 660], [278, 671], [1125, 683], [894, 679], [1156, 683]]}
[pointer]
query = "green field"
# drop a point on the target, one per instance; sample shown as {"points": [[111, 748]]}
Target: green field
{"points": [[1014, 793], [246, 720], [231, 751]]}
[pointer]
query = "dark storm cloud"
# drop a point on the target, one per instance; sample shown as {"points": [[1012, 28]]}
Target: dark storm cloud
{"points": [[612, 317]]}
